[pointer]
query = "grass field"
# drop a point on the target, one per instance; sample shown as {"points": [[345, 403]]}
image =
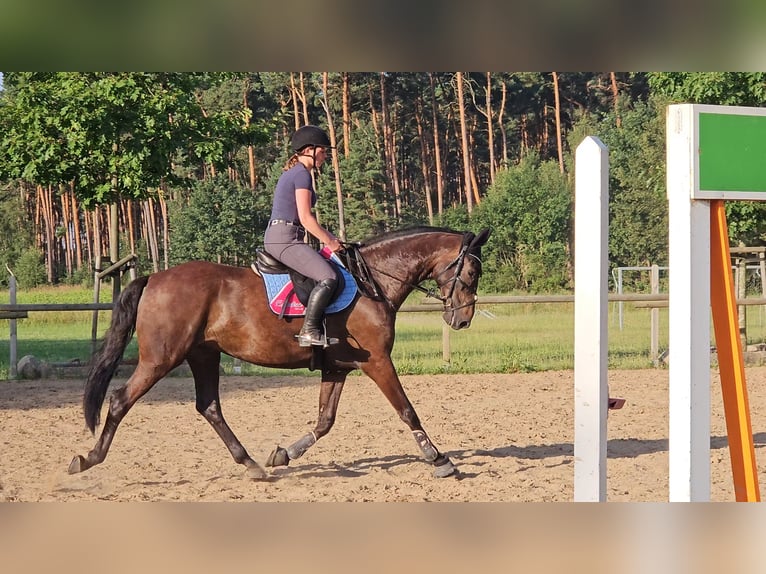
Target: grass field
{"points": [[502, 339]]}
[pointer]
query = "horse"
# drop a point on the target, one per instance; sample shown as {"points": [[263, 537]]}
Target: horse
{"points": [[197, 310]]}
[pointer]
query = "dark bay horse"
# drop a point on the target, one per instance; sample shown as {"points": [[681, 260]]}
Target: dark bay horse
{"points": [[198, 310]]}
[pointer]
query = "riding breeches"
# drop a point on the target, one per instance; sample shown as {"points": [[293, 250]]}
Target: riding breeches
{"points": [[285, 242]]}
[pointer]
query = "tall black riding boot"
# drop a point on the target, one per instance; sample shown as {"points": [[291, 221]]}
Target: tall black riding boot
{"points": [[311, 332]]}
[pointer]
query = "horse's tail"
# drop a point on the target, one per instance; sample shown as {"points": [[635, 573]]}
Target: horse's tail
{"points": [[106, 361]]}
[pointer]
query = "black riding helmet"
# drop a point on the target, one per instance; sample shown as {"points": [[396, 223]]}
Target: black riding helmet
{"points": [[309, 136]]}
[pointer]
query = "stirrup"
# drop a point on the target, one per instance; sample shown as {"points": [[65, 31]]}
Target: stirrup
{"points": [[315, 339], [310, 339]]}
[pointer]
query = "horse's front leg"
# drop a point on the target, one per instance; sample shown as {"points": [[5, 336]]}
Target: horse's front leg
{"points": [[385, 376], [329, 396]]}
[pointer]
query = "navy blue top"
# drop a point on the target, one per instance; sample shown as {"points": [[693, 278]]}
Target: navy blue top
{"points": [[284, 207]]}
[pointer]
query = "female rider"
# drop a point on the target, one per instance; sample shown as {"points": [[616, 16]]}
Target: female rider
{"points": [[292, 216]]}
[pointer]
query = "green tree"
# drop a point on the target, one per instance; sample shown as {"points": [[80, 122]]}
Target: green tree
{"points": [[219, 221], [29, 269], [364, 189], [528, 210], [112, 134], [15, 231], [638, 220], [716, 88]]}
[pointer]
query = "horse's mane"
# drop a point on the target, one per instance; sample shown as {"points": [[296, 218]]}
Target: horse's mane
{"points": [[406, 232]]}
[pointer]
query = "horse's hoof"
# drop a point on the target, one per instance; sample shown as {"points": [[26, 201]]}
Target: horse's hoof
{"points": [[77, 465], [444, 470], [278, 457]]}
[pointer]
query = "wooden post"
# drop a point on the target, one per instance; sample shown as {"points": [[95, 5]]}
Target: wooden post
{"points": [[591, 390], [114, 248], [655, 318], [446, 343], [730, 360], [96, 296], [13, 373], [741, 294], [762, 266]]}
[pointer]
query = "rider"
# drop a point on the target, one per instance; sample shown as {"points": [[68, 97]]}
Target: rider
{"points": [[292, 217]]}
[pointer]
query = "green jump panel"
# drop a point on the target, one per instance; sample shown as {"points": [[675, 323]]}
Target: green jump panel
{"points": [[732, 153]]}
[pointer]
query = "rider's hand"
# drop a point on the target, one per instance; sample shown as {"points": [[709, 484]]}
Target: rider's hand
{"points": [[335, 245]]}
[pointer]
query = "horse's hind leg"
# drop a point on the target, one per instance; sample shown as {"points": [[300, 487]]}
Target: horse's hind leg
{"points": [[204, 365], [120, 403], [329, 396], [384, 375]]}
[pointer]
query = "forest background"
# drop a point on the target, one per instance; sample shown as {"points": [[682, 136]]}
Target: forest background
{"points": [[187, 163]]}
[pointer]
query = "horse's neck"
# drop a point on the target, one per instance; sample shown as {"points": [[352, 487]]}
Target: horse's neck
{"points": [[401, 268]]}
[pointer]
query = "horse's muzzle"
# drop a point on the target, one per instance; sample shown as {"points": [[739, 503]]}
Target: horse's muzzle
{"points": [[456, 321], [464, 324]]}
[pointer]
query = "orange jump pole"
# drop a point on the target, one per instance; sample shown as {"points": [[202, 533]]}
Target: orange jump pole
{"points": [[731, 363]]}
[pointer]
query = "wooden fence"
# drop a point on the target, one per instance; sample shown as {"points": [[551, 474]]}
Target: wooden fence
{"points": [[14, 311]]}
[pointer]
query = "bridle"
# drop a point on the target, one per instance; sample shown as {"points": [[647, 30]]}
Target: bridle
{"points": [[457, 263]]}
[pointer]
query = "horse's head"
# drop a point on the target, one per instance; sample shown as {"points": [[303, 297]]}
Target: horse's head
{"points": [[459, 280]]}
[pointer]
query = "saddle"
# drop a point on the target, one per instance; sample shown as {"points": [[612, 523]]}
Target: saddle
{"points": [[288, 290]]}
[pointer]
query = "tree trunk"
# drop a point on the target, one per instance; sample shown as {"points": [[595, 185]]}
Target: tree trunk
{"points": [[150, 233], [501, 122], [145, 230], [615, 96], [76, 226], [128, 208], [559, 146], [250, 151], [52, 221], [98, 239], [490, 131], [389, 146], [153, 234], [88, 240], [437, 149], [304, 99], [114, 240], [46, 212], [464, 140], [68, 231], [165, 236], [472, 165], [346, 116], [525, 139], [296, 98], [335, 162], [374, 117], [424, 159]]}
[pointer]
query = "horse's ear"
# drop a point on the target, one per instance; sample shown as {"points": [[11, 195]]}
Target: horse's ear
{"points": [[481, 238]]}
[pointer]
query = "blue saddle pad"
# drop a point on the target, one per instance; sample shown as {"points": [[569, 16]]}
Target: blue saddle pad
{"points": [[279, 290]]}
